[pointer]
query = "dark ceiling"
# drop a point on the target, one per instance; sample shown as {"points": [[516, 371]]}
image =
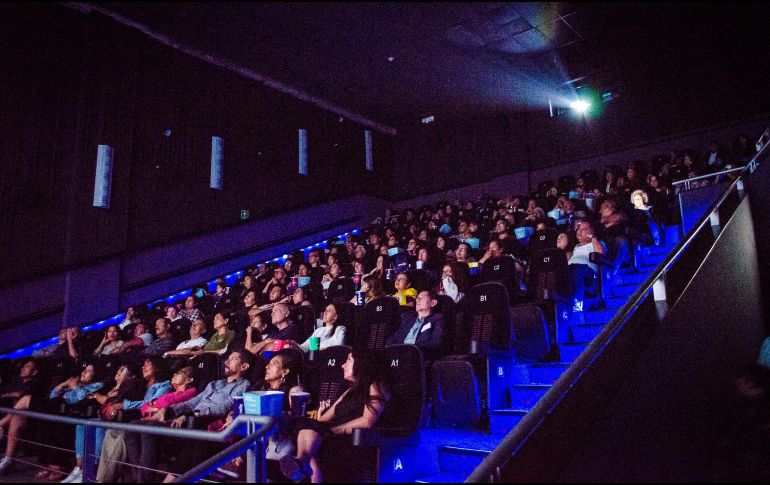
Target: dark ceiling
{"points": [[480, 57]]}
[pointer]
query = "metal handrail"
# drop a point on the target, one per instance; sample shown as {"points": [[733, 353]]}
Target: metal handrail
{"points": [[710, 175], [253, 443], [265, 422], [255, 469], [518, 436]]}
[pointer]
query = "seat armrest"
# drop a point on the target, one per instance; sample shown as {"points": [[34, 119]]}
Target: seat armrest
{"points": [[600, 259], [380, 436], [128, 415], [551, 295]]}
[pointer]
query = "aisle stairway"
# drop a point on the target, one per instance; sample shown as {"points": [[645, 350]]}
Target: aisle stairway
{"points": [[459, 452]]}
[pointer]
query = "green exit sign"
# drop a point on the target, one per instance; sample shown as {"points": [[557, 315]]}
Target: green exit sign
{"points": [[244, 215]]}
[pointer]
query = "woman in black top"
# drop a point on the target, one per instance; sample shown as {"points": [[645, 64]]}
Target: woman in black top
{"points": [[358, 407]]}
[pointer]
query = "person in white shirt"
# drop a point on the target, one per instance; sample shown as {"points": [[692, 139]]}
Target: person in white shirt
{"points": [[196, 342], [130, 314], [582, 271], [331, 333]]}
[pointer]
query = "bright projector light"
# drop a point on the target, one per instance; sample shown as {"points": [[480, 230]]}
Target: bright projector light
{"points": [[580, 106]]}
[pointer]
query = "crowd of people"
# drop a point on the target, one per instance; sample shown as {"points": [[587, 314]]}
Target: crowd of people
{"points": [[420, 257]]}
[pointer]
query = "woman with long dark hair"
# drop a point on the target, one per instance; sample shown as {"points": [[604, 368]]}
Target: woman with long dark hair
{"points": [[358, 407], [332, 333]]}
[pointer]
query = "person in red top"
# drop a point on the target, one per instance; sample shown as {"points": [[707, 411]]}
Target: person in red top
{"points": [[184, 390]]}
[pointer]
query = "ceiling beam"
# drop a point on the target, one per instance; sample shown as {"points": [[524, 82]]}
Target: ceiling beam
{"points": [[236, 68]]}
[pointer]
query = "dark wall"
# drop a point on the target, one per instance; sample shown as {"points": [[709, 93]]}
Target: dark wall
{"points": [[666, 419], [72, 81], [456, 151]]}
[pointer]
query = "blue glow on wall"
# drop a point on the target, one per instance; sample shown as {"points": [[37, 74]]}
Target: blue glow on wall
{"points": [[230, 279]]}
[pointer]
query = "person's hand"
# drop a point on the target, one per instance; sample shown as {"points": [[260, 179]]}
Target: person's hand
{"points": [[178, 422], [72, 382], [249, 329], [100, 398]]}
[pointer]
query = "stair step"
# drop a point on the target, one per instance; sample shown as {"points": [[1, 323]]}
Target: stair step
{"points": [[634, 278], [570, 352], [586, 333], [598, 316], [615, 302], [462, 460], [546, 373], [672, 235], [624, 290], [524, 396], [502, 421], [446, 477]]}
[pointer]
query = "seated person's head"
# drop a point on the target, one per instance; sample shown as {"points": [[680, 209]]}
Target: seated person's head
{"points": [[426, 301], [140, 329], [260, 321], [171, 312], [298, 296], [584, 232], [463, 251], [197, 329], [238, 363], [372, 286], [162, 327], [402, 282], [280, 314], [183, 378], [29, 369], [608, 208], [221, 320], [154, 369], [250, 298], [88, 374], [639, 198], [112, 333], [303, 270], [277, 293], [283, 366]]}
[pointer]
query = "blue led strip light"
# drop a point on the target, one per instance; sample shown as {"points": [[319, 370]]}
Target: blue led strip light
{"points": [[231, 278]]}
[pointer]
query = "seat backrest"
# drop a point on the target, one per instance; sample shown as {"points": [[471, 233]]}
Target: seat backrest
{"points": [[530, 333], [108, 365], [550, 273], [341, 290], [329, 374], [407, 393], [487, 318], [315, 295], [381, 317], [206, 367], [501, 269], [543, 187], [421, 279], [566, 183], [542, 239], [180, 329], [304, 317]]}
